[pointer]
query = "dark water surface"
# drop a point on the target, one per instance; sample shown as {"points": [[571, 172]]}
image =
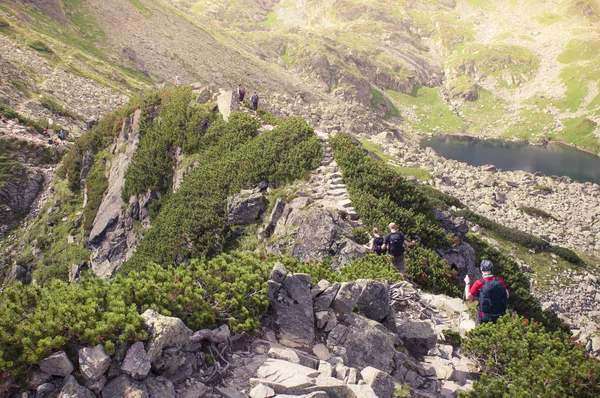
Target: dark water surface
{"points": [[553, 159]]}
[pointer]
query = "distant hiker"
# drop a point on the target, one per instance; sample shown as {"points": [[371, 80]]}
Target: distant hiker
{"points": [[177, 81], [492, 294], [50, 122], [241, 92], [254, 101], [377, 243], [394, 243]]}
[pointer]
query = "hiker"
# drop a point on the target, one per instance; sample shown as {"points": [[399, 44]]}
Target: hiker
{"points": [[254, 101], [492, 294], [394, 243], [241, 92], [177, 81], [377, 242]]}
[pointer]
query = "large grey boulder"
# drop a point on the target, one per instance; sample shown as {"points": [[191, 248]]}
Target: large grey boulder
{"points": [[382, 383], [367, 343], [57, 365], [346, 298], [293, 311], [276, 214], [227, 101], [159, 387], [324, 300], [17, 194], [373, 301], [175, 364], [124, 387], [72, 389], [38, 378], [193, 389], [164, 331], [461, 258], [137, 362], [93, 362], [245, 207], [418, 336], [451, 224]]}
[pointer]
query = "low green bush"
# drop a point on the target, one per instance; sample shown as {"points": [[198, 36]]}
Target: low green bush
{"points": [[361, 236], [268, 117], [10, 114], [567, 254], [96, 185], [511, 234], [53, 106], [544, 188], [431, 272], [439, 199], [535, 212], [521, 359], [373, 267], [36, 320], [40, 46]]}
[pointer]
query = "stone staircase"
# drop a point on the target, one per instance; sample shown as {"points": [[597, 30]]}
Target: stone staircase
{"points": [[327, 185]]}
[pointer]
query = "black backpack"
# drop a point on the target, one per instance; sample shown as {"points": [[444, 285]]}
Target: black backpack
{"points": [[377, 243], [396, 246], [493, 300]]}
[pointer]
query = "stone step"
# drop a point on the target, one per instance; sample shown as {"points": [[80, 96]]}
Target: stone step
{"points": [[337, 186], [337, 192], [345, 203], [335, 175], [337, 181]]}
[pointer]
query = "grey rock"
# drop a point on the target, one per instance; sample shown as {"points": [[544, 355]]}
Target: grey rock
{"points": [[346, 298], [273, 219], [382, 383], [174, 364], [17, 194], [57, 365], [245, 207], [319, 288], [72, 389], [227, 102], [159, 387], [124, 387], [95, 385], [278, 273], [44, 390], [293, 356], [194, 389], [93, 362], [227, 392], [418, 337], [164, 331], [373, 301], [323, 301], [293, 312], [262, 391], [454, 225], [461, 258], [38, 378], [137, 362], [368, 343]]}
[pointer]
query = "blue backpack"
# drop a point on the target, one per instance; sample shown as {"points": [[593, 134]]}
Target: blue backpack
{"points": [[493, 300]]}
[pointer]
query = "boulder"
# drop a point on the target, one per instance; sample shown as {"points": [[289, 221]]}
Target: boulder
{"points": [[38, 378], [346, 298], [373, 301], [164, 331], [278, 273], [462, 259], [137, 362], [382, 383], [367, 343], [193, 389], [285, 377], [245, 207], [451, 224], [72, 389], [262, 391], [319, 288], [293, 356], [124, 387], [45, 390], [57, 365], [93, 362], [293, 312], [418, 336], [159, 387], [273, 219], [323, 301], [227, 101], [175, 365]]}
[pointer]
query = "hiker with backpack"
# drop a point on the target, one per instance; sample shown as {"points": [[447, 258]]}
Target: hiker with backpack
{"points": [[241, 92], [254, 101], [492, 294], [394, 243], [377, 242]]}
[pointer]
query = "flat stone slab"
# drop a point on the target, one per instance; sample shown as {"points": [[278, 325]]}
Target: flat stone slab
{"points": [[285, 377]]}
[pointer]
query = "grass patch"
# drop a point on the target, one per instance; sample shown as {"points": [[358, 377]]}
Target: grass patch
{"points": [[548, 18], [53, 106], [483, 113], [577, 79], [380, 103], [487, 5], [145, 10], [535, 212], [580, 50], [580, 132], [287, 57], [419, 174], [40, 46], [531, 122], [433, 113]]}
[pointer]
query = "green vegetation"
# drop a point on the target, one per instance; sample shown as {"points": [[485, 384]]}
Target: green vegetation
{"points": [[145, 10], [439, 199], [520, 358], [192, 221], [579, 50], [381, 196], [361, 236], [53, 106], [548, 18], [433, 114], [380, 103], [532, 123], [535, 212], [580, 132], [268, 117], [9, 167], [544, 188], [577, 79], [420, 174], [40, 46], [567, 254], [96, 185], [487, 5]]}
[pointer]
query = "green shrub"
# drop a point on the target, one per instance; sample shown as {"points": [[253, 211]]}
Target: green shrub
{"points": [[431, 272], [567, 254], [96, 186], [4, 23], [544, 188], [535, 212], [268, 117], [40, 46], [53, 106], [10, 114], [521, 358], [361, 236], [439, 199], [371, 266], [511, 234], [192, 222]]}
